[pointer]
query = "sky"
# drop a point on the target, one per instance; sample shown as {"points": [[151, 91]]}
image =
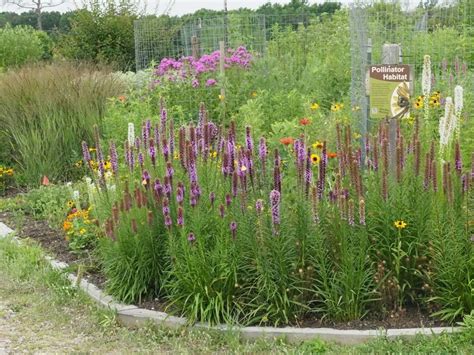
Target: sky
{"points": [[180, 7]]}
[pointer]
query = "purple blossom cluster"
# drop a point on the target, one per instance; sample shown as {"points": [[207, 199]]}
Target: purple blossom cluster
{"points": [[190, 69]]}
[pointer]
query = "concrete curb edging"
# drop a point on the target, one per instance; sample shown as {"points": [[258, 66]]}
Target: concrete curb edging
{"points": [[132, 316]]}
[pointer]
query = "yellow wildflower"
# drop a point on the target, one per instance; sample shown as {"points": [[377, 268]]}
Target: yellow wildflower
{"points": [[400, 224], [314, 106]]}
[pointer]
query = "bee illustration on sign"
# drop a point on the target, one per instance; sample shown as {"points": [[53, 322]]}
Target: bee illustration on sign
{"points": [[400, 102]]}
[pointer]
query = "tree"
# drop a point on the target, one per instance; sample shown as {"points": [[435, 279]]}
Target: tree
{"points": [[37, 6]]}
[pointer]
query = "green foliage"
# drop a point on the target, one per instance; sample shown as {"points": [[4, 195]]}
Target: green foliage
{"points": [[48, 202], [134, 261], [102, 34], [46, 112], [20, 45], [370, 241]]}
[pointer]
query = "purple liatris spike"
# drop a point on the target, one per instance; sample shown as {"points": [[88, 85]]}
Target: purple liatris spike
{"points": [[158, 188], [228, 200], [212, 198], [167, 187], [457, 158], [350, 213], [180, 193], [145, 136], [234, 184], [166, 207], [191, 238], [146, 179], [221, 210], [164, 116], [168, 221], [248, 139], [262, 149], [137, 143], [233, 229], [166, 151], [140, 159], [259, 206], [152, 152], [85, 153], [180, 217], [169, 170], [275, 208], [113, 158], [362, 212], [308, 172], [171, 142]]}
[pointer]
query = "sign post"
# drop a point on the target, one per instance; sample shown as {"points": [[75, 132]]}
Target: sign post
{"points": [[389, 91]]}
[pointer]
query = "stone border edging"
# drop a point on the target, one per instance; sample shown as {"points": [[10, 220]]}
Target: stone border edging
{"points": [[132, 316]]}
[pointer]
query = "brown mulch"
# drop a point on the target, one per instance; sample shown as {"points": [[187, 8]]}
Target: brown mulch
{"points": [[54, 242]]}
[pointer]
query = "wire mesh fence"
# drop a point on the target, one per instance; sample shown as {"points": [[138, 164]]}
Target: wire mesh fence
{"points": [[444, 29]]}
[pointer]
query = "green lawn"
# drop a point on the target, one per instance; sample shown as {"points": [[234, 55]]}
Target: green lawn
{"points": [[41, 312]]}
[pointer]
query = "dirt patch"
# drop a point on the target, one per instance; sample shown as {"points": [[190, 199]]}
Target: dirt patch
{"points": [[54, 242]]}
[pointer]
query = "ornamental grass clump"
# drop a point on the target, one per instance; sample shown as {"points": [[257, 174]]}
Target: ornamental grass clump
{"points": [[226, 230], [46, 111]]}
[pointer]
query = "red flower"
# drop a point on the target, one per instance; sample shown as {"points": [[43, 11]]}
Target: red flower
{"points": [[332, 155], [287, 140], [305, 121]]}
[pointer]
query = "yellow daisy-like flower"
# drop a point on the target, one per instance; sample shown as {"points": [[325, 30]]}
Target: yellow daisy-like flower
{"points": [[418, 104], [82, 231], [336, 107], [70, 204], [314, 106], [213, 154], [400, 224], [221, 97], [176, 156], [317, 145], [315, 159], [92, 149], [107, 165], [9, 172]]}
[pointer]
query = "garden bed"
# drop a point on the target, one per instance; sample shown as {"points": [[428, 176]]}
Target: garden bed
{"points": [[53, 241]]}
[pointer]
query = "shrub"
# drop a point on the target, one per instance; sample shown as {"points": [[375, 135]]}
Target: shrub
{"points": [[102, 33], [46, 112], [20, 45]]}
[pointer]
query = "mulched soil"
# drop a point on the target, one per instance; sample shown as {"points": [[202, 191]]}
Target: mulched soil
{"points": [[54, 242]]}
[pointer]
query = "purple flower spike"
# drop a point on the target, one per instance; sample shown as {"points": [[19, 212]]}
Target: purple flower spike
{"points": [[113, 158], [212, 198], [180, 218], [191, 238], [259, 206], [248, 139], [85, 153], [275, 207], [168, 221], [262, 149], [180, 193], [233, 229], [221, 210], [152, 152], [166, 207], [228, 200]]}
